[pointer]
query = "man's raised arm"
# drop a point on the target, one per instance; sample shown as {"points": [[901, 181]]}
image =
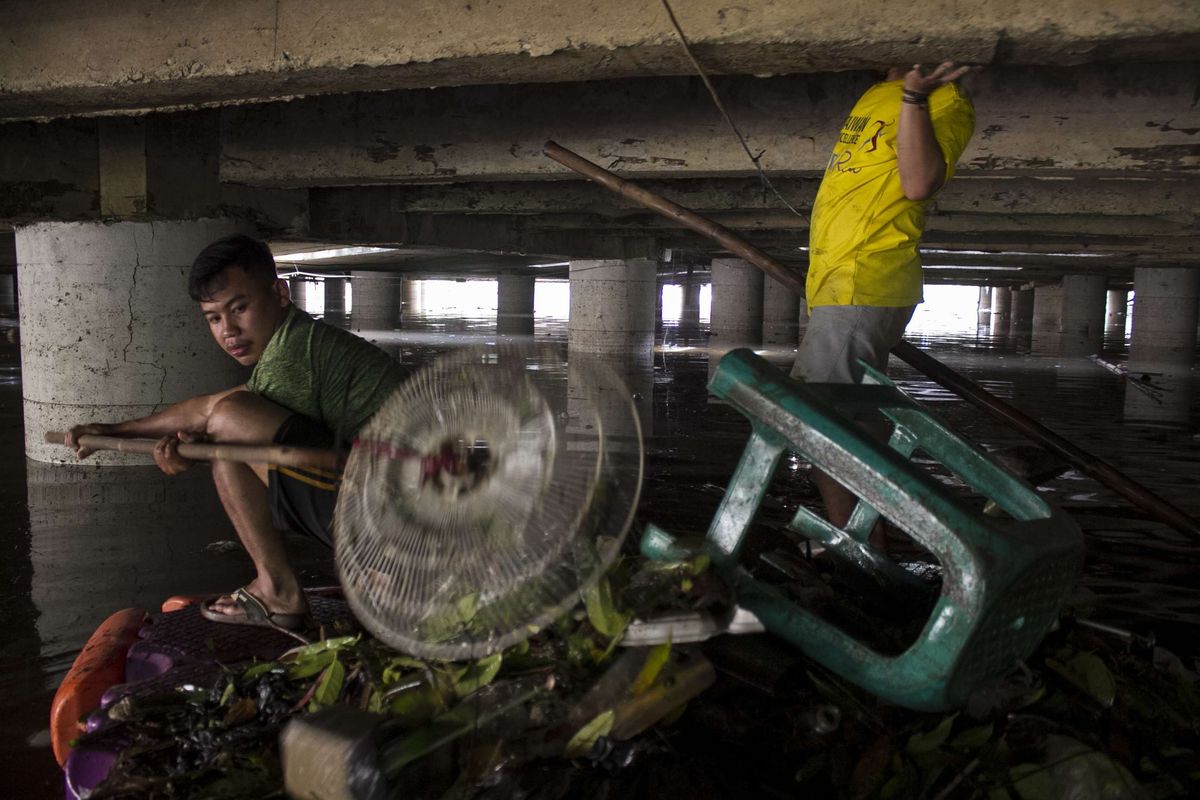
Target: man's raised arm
{"points": [[920, 161]]}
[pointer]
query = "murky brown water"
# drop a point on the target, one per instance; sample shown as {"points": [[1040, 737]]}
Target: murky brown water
{"points": [[80, 543]]}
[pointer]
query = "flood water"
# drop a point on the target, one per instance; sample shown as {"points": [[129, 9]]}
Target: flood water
{"points": [[79, 543]]}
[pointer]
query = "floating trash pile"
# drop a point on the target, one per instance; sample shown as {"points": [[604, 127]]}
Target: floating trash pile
{"points": [[572, 713]]}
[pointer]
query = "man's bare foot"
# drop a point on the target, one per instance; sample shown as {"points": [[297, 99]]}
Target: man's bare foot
{"points": [[275, 603]]}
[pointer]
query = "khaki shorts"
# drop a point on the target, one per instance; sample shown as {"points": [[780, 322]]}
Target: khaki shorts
{"points": [[838, 336]]}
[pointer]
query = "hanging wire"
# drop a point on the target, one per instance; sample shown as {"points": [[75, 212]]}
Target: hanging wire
{"points": [[754, 159]]}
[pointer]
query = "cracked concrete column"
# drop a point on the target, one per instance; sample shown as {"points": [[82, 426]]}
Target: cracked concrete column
{"points": [[1162, 344], [736, 318], [514, 304], [781, 314], [108, 331], [1082, 324], [335, 300], [377, 299]]}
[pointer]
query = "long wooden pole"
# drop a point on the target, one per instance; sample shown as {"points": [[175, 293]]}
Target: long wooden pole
{"points": [[282, 455], [961, 385]]}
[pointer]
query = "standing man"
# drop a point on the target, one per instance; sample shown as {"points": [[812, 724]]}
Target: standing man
{"points": [[896, 149], [313, 385]]}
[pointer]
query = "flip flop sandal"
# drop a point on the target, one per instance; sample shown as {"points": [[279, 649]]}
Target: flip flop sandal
{"points": [[254, 613]]}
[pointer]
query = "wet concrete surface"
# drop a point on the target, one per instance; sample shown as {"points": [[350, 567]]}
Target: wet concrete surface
{"points": [[79, 543]]}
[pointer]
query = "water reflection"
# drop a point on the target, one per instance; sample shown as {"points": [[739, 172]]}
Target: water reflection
{"points": [[81, 543]]}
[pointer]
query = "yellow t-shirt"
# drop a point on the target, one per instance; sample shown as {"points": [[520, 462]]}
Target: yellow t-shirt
{"points": [[864, 236]]}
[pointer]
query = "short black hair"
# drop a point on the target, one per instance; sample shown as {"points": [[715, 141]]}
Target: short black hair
{"points": [[250, 254]]}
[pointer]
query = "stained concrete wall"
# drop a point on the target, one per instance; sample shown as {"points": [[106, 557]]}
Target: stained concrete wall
{"points": [[108, 331]]}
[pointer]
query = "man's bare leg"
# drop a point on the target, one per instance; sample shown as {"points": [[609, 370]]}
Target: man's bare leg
{"points": [[245, 418], [839, 505]]}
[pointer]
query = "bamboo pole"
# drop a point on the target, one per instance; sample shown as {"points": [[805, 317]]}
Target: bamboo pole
{"points": [[961, 385], [282, 455]]}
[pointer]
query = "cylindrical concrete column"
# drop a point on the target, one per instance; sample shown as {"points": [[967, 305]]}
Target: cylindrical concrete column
{"points": [[108, 331], [1047, 308], [1082, 324], [1116, 312], [335, 300], [8, 293], [984, 308], [689, 312], [1162, 343], [377, 298], [1001, 317], [1022, 309], [412, 295], [298, 288], [612, 307], [514, 305], [781, 313], [737, 304]]}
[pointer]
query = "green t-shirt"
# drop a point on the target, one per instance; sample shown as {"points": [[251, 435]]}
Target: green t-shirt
{"points": [[324, 373]]}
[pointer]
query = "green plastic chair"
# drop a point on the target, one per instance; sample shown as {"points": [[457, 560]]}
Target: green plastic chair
{"points": [[1004, 577]]}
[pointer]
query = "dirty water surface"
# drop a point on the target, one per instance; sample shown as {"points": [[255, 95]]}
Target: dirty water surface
{"points": [[80, 543]]}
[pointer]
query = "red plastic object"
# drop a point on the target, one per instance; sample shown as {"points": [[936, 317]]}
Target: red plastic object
{"points": [[98, 666]]}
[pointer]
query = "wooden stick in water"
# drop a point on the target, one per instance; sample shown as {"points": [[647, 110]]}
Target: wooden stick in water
{"points": [[282, 455]]}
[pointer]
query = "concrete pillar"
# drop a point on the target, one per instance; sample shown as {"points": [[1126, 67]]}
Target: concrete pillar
{"points": [[802, 318], [984, 308], [1082, 322], [737, 305], [1163, 344], [689, 313], [612, 307], [411, 292], [1115, 313], [108, 331], [1001, 316], [514, 305], [781, 313], [1022, 309], [658, 307], [377, 299], [1047, 309], [335, 300], [8, 293], [298, 288]]}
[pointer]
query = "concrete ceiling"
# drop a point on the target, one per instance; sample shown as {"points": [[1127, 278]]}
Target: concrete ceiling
{"points": [[422, 132]]}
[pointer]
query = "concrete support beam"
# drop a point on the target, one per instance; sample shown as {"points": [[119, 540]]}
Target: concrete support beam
{"points": [[377, 300], [737, 305], [1168, 197], [514, 304], [108, 331], [1082, 326], [612, 308], [122, 147], [1104, 119], [781, 311], [1163, 345], [136, 56]]}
